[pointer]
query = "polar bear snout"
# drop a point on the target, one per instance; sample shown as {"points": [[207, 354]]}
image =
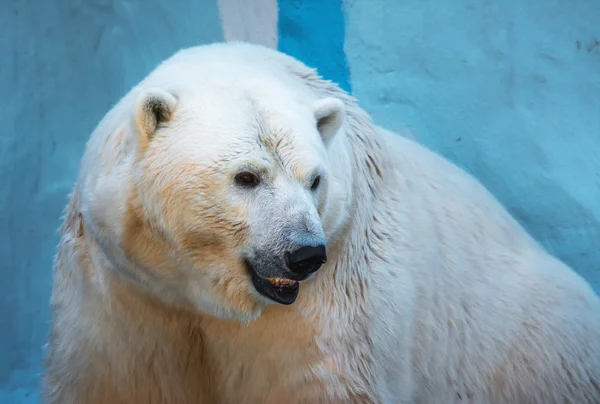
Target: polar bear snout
{"points": [[277, 277], [306, 260]]}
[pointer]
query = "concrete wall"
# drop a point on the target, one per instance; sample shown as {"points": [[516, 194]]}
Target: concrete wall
{"points": [[64, 63], [510, 90]]}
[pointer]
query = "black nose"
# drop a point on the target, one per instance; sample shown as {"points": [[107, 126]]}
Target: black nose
{"points": [[307, 259]]}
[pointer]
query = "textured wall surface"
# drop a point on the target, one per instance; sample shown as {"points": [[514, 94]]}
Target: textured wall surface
{"points": [[508, 90], [64, 64]]}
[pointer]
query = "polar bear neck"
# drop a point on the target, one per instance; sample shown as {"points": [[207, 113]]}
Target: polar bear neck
{"points": [[340, 294]]}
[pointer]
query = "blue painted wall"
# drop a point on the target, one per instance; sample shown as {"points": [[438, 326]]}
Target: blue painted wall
{"points": [[510, 90], [313, 31], [64, 63]]}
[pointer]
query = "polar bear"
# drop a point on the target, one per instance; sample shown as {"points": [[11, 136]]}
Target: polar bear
{"points": [[241, 232]]}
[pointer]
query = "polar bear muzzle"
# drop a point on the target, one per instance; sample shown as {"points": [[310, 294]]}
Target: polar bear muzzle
{"points": [[279, 279]]}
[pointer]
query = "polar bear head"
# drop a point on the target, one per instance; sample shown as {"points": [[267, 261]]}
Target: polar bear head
{"points": [[226, 183]]}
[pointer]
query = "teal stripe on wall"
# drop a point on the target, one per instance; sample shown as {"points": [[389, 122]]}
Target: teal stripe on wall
{"points": [[313, 31]]}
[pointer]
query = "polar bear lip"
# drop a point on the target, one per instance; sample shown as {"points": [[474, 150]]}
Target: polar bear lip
{"points": [[280, 290]]}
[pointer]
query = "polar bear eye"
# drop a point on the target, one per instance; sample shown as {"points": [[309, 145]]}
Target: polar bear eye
{"points": [[247, 179], [316, 183]]}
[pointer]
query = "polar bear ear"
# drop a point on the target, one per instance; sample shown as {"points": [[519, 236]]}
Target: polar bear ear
{"points": [[153, 107], [329, 113]]}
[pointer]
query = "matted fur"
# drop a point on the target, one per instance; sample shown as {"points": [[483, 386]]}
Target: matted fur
{"points": [[432, 292]]}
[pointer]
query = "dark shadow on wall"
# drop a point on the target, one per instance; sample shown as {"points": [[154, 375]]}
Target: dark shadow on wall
{"points": [[313, 31]]}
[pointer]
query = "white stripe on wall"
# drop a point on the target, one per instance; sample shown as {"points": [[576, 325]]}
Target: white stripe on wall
{"points": [[251, 21]]}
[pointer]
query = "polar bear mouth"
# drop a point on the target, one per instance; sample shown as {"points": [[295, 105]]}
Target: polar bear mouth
{"points": [[281, 290]]}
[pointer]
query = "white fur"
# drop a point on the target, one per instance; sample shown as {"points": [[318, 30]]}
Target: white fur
{"points": [[432, 292]]}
